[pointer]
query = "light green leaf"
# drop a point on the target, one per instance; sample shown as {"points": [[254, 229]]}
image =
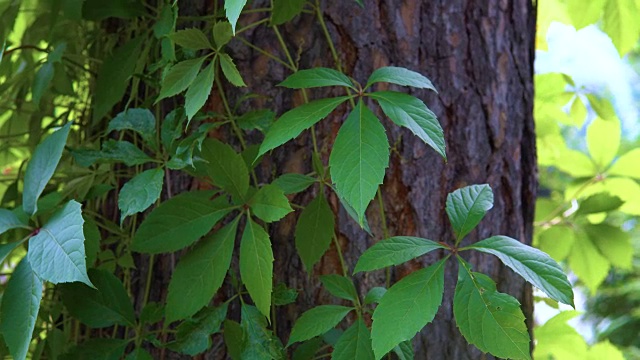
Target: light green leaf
{"points": [[587, 263], [620, 22], [19, 309], [627, 165], [316, 77], [256, 265], [359, 158], [199, 91], [467, 206], [584, 13], [107, 305], [179, 77], [602, 106], [200, 273], [294, 121], [140, 192], [532, 264], [314, 231], [42, 81], [400, 76], [6, 249], [393, 251], [56, 253], [193, 39], [292, 183], [193, 336], [603, 140], [222, 33], [354, 344], [490, 320], [410, 112], [557, 241], [575, 163], [407, 307], [597, 203], [556, 339], [179, 222], [41, 167], [374, 295], [605, 350], [613, 243], [9, 220], [285, 10], [225, 167], [233, 8], [230, 71], [270, 204], [339, 286], [141, 121], [317, 321]]}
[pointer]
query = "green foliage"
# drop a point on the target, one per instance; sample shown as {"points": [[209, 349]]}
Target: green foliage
{"points": [[393, 251], [317, 321], [140, 192], [314, 231], [467, 206], [256, 265]]}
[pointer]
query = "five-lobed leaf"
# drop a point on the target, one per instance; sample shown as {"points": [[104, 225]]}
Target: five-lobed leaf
{"points": [[400, 76], [532, 264], [393, 251], [314, 231], [179, 77], [270, 204], [359, 158], [467, 206], [354, 344], [317, 321], [407, 307], [256, 265], [339, 286], [140, 192], [41, 167], [193, 39], [316, 77], [56, 253], [200, 273]]}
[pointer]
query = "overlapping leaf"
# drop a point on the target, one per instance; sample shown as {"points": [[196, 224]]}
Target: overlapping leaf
{"points": [[354, 344], [393, 251], [399, 76], [317, 321], [256, 265], [270, 204], [140, 192]]}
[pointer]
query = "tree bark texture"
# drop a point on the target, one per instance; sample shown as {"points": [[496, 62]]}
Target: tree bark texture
{"points": [[479, 55]]}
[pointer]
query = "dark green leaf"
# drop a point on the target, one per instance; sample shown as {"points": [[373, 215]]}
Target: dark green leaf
{"points": [[140, 192], [314, 231], [141, 121], [410, 112], [354, 344], [151, 313], [400, 76], [179, 77], [294, 121], [56, 253], [123, 151], [193, 336], [407, 307], [179, 222], [171, 129], [233, 8], [270, 204], [6, 249], [19, 309], [404, 350], [282, 295], [260, 343], [41, 167], [139, 354], [352, 214], [339, 286], [226, 168], [293, 183], [107, 305], [467, 206], [230, 71], [285, 10], [374, 295], [193, 39], [602, 202], [316, 77], [317, 321], [256, 265], [257, 119], [97, 10], [199, 91], [222, 33], [97, 349], [166, 22], [205, 265], [42, 81], [233, 338], [532, 264], [394, 251], [9, 220], [308, 349]]}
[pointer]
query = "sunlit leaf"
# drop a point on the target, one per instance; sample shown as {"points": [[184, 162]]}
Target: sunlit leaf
{"points": [[603, 140], [233, 8]]}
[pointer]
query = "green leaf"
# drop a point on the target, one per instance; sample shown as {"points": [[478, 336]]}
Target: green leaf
{"points": [[41, 167], [598, 203], [490, 320], [166, 21], [407, 307], [410, 112], [139, 354], [404, 350], [42, 81], [354, 344], [179, 222], [314, 231], [557, 241], [230, 71], [359, 158], [612, 242], [140, 192], [270, 204], [97, 349], [260, 343], [141, 121], [19, 309], [587, 263], [620, 23], [9, 220], [532, 264], [316, 77], [282, 295], [256, 265], [112, 151], [233, 338], [205, 265], [193, 336], [556, 339], [256, 119], [317, 321], [294, 121], [222, 33], [6, 249], [352, 214], [171, 129], [107, 305], [308, 349], [285, 10], [575, 163], [603, 141], [393, 251], [627, 165], [400, 76], [151, 313], [292, 183], [199, 91], [179, 77], [97, 10], [226, 168], [467, 206], [233, 8], [584, 13], [339, 286], [56, 253], [374, 295], [193, 39], [114, 74]]}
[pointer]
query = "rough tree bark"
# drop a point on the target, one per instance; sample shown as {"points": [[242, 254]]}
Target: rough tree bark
{"points": [[479, 54]]}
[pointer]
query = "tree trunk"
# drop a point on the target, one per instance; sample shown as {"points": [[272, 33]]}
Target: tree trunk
{"points": [[479, 55]]}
